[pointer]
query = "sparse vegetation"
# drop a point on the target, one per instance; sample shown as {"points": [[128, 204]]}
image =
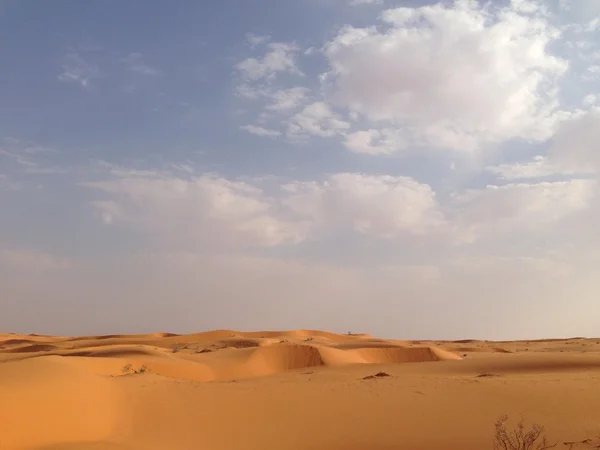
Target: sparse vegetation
{"points": [[532, 438], [128, 369], [179, 347], [520, 438]]}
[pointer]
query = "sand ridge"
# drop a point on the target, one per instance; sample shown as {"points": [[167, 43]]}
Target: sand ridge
{"points": [[285, 389], [225, 354]]}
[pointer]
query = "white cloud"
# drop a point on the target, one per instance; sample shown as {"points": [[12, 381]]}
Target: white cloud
{"points": [[590, 100], [29, 157], [592, 25], [575, 144], [594, 69], [211, 210], [573, 151], [519, 208], [280, 58], [383, 205], [580, 11], [249, 91], [452, 76], [287, 99], [185, 168], [375, 142], [366, 2], [199, 211], [260, 131], [255, 40], [120, 171], [208, 210], [257, 83], [527, 6], [135, 63], [76, 69], [317, 119], [540, 167]]}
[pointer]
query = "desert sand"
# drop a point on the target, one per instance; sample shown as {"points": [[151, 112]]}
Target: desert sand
{"points": [[225, 390]]}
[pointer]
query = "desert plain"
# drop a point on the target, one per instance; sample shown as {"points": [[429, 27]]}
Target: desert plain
{"points": [[292, 390]]}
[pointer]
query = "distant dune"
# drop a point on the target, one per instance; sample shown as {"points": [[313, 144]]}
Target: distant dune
{"points": [[302, 389]]}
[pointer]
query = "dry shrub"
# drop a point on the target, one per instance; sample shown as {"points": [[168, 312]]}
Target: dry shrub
{"points": [[521, 437], [533, 438]]}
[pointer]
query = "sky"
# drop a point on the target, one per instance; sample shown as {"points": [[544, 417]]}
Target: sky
{"points": [[408, 169]]}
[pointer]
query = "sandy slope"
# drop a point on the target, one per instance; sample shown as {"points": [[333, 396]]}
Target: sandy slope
{"points": [[288, 390]]}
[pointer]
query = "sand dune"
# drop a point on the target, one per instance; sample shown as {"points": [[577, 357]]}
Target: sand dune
{"points": [[482, 349], [16, 342], [300, 389], [116, 351], [48, 400], [31, 348]]}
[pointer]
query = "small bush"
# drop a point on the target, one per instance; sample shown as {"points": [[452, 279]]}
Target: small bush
{"points": [[128, 368], [521, 438]]}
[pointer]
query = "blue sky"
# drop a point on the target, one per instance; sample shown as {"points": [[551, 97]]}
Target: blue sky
{"points": [[406, 169]]}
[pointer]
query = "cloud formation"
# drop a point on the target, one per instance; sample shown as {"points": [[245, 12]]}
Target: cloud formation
{"points": [[76, 69], [199, 211], [460, 76], [422, 159], [456, 76], [135, 63], [278, 59]]}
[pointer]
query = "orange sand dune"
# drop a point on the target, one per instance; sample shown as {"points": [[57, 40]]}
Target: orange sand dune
{"points": [[49, 400], [302, 389]]}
